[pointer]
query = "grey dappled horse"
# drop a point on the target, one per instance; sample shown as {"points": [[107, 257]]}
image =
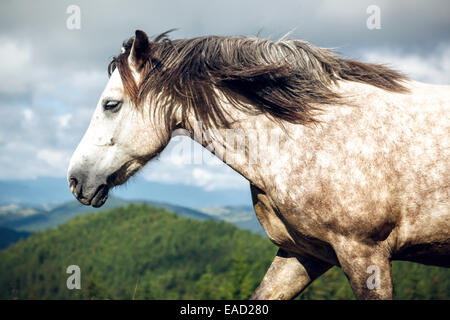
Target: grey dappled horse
{"points": [[359, 171]]}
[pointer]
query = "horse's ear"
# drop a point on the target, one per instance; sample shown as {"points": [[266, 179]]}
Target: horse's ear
{"points": [[140, 51]]}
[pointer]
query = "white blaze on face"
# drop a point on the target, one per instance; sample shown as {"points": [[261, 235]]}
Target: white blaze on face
{"points": [[97, 146], [117, 139]]}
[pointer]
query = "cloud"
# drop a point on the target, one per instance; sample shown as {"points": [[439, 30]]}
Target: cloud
{"points": [[432, 67], [64, 120], [55, 158], [15, 61], [186, 162], [28, 114], [32, 142]]}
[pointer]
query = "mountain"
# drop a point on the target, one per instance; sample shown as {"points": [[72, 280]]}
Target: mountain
{"points": [[12, 212], [42, 219], [53, 191], [140, 252], [242, 216], [31, 219], [9, 236]]}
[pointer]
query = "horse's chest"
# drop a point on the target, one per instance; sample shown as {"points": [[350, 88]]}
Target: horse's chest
{"points": [[279, 232], [274, 227]]}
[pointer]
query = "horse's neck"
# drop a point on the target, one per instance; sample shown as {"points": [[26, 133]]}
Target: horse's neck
{"points": [[248, 146], [277, 149]]}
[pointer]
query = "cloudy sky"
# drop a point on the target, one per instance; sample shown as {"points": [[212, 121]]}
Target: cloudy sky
{"points": [[52, 76]]}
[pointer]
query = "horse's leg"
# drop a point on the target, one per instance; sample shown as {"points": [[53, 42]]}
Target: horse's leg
{"points": [[368, 269], [288, 276]]}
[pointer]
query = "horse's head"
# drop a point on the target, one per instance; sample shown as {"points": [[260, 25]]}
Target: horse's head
{"points": [[122, 136]]}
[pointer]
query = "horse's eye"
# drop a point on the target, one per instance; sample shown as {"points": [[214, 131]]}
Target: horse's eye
{"points": [[112, 105]]}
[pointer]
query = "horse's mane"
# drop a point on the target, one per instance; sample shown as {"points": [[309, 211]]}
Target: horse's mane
{"points": [[287, 80]]}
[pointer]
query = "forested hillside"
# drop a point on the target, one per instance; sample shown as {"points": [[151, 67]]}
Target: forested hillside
{"points": [[9, 236], [140, 252]]}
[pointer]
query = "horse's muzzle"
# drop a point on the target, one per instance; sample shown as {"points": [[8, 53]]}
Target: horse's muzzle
{"points": [[95, 197]]}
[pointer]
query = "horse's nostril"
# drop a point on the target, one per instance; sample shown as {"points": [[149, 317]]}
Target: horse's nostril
{"points": [[73, 182]]}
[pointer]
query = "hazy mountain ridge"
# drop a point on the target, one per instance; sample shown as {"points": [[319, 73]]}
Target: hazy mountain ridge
{"points": [[242, 216], [54, 191], [43, 203], [42, 218]]}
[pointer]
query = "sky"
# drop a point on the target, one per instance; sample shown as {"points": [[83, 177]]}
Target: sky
{"points": [[51, 76]]}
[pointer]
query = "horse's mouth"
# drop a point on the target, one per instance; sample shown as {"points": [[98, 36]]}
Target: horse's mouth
{"points": [[100, 196]]}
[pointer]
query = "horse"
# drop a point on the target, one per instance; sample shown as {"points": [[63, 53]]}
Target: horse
{"points": [[358, 174]]}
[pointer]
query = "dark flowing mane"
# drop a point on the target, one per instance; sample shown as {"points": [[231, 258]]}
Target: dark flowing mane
{"points": [[287, 80]]}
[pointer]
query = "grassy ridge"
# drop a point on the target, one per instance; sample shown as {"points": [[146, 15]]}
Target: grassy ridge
{"points": [[142, 252]]}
